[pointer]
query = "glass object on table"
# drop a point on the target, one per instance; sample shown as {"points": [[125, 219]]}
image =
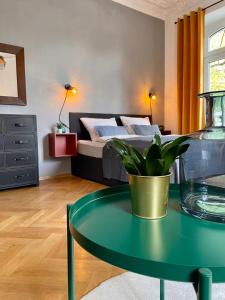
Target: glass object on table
{"points": [[202, 170]]}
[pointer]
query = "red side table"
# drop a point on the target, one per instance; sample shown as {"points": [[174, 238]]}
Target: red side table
{"points": [[62, 144]]}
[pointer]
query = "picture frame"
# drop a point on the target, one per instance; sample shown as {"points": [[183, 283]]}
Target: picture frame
{"points": [[13, 83]]}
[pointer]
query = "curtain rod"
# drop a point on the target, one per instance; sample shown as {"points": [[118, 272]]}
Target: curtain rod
{"points": [[208, 7]]}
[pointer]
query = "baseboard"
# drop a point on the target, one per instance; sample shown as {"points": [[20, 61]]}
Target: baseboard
{"points": [[55, 176]]}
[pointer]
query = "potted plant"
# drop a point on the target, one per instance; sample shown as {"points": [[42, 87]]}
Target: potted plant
{"points": [[61, 127], [149, 173]]}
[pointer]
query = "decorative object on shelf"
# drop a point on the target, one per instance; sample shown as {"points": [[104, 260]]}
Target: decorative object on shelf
{"points": [[152, 96], [149, 173], [69, 88], [202, 167], [62, 145], [12, 75], [61, 128]]}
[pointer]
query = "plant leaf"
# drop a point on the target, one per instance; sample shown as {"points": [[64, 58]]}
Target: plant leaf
{"points": [[171, 155], [137, 158], [157, 140], [130, 165], [119, 146], [171, 144], [156, 160], [153, 164], [154, 167]]}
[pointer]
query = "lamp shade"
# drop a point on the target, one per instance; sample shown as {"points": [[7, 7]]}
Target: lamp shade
{"points": [[69, 87], [152, 96]]}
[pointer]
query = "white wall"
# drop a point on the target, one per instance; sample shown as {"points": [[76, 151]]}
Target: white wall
{"points": [[171, 59], [111, 53]]}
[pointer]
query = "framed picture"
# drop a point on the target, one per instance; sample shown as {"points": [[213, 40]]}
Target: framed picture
{"points": [[12, 75]]}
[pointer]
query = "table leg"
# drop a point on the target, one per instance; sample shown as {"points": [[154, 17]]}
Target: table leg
{"points": [[162, 289], [205, 284], [70, 260]]}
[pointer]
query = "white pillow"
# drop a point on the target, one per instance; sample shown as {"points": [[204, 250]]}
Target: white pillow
{"points": [[128, 121], [90, 123]]}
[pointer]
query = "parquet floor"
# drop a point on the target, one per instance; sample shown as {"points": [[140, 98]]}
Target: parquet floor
{"points": [[33, 243]]}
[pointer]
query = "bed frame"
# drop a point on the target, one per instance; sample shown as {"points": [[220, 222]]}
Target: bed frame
{"points": [[86, 166]]}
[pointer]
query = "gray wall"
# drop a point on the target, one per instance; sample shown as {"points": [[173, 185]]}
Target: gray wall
{"points": [[111, 53]]}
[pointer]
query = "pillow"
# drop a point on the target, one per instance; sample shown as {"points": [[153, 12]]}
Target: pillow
{"points": [[146, 129], [111, 130], [128, 121], [91, 123]]}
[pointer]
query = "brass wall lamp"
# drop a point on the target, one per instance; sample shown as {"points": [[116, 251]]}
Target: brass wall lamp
{"points": [[69, 88]]}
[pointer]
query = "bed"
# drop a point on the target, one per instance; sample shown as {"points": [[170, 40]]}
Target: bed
{"points": [[94, 161], [88, 164]]}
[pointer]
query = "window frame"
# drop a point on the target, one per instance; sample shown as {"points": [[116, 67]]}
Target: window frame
{"points": [[213, 55]]}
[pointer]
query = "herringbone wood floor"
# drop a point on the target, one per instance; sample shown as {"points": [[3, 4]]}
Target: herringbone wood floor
{"points": [[33, 243]]}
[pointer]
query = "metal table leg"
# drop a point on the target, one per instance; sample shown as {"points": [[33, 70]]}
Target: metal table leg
{"points": [[162, 288], [205, 284], [70, 260]]}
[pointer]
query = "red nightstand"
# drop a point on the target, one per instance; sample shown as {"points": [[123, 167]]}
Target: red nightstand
{"points": [[62, 144]]}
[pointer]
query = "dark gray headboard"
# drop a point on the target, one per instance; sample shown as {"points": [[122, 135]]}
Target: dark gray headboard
{"points": [[77, 126]]}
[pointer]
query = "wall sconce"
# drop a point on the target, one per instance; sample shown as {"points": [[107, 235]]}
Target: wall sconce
{"points": [[152, 96], [2, 63], [69, 88]]}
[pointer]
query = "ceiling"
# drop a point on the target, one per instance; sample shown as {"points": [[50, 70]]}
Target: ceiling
{"points": [[164, 4], [158, 8]]}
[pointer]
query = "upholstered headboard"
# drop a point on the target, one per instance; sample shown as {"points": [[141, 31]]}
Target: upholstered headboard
{"points": [[77, 126]]}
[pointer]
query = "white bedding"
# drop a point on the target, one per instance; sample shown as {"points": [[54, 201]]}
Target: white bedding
{"points": [[95, 148], [90, 148]]}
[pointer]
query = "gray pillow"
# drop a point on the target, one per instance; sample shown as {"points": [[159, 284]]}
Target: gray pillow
{"points": [[146, 129], [111, 130]]}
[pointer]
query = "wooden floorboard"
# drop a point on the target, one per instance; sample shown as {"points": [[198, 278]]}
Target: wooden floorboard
{"points": [[33, 242]]}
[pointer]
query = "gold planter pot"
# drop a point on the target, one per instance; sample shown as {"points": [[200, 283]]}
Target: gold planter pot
{"points": [[149, 195]]}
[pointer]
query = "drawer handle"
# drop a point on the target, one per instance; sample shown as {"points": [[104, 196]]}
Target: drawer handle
{"points": [[20, 158], [21, 176], [21, 142], [19, 125]]}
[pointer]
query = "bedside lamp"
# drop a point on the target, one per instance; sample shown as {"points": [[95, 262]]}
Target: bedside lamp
{"points": [[69, 88], [152, 96]]}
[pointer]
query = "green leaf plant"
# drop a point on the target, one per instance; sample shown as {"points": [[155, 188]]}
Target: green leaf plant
{"points": [[156, 160]]}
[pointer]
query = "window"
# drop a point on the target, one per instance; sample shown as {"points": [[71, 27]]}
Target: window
{"points": [[217, 40], [217, 75], [215, 57]]}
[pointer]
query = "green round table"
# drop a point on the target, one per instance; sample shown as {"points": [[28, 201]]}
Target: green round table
{"points": [[177, 247]]}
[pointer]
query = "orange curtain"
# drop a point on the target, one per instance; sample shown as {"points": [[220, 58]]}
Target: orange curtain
{"points": [[190, 62]]}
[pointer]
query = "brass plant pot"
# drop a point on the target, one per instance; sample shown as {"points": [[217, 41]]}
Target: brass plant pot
{"points": [[149, 195]]}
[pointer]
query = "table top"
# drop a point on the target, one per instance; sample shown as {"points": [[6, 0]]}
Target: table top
{"points": [[173, 247]]}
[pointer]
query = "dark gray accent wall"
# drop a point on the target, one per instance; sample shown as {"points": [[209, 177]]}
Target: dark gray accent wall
{"points": [[113, 54]]}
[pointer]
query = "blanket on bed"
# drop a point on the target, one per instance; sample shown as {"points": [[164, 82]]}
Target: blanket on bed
{"points": [[112, 165]]}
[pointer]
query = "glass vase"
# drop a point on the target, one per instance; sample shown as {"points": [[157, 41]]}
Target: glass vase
{"points": [[202, 167]]}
